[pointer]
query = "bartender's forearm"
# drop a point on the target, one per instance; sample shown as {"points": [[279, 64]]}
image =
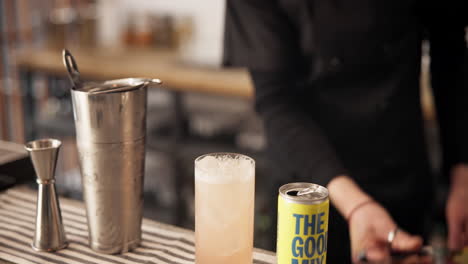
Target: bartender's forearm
{"points": [[459, 177], [346, 195]]}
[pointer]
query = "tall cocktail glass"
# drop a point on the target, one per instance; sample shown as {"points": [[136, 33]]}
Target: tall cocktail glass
{"points": [[224, 208]]}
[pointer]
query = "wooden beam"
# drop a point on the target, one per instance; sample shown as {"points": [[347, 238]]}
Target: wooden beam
{"points": [[107, 64]]}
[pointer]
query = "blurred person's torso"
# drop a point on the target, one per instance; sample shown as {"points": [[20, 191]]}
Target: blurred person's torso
{"points": [[362, 61]]}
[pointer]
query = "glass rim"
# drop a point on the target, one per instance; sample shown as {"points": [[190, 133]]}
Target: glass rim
{"points": [[228, 154], [215, 154]]}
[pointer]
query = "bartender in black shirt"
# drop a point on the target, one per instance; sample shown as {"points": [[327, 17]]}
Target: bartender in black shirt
{"points": [[337, 85]]}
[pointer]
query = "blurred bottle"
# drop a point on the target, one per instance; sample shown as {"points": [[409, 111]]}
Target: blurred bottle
{"points": [[138, 30], [183, 31], [128, 36], [163, 28], [143, 36], [60, 23], [87, 20]]}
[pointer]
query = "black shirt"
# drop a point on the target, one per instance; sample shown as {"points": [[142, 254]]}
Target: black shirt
{"points": [[337, 85]]}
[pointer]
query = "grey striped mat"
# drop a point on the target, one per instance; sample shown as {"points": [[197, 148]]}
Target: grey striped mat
{"points": [[161, 243]]}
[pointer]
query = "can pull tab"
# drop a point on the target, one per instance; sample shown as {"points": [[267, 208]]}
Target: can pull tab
{"points": [[72, 69], [306, 191]]}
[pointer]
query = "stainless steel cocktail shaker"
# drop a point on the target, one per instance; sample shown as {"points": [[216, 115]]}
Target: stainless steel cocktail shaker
{"points": [[110, 121]]}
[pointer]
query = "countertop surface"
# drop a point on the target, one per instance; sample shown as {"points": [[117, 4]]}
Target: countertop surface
{"points": [[161, 243]]}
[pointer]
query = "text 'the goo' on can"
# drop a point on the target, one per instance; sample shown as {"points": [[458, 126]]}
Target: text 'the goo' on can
{"points": [[302, 224]]}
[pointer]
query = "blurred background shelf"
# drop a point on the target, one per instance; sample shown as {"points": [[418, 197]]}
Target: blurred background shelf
{"points": [[104, 64]]}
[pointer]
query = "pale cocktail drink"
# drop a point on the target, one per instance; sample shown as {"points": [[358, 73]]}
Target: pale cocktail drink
{"points": [[224, 208]]}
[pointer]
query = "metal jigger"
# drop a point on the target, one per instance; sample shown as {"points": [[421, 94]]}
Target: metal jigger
{"points": [[49, 234]]}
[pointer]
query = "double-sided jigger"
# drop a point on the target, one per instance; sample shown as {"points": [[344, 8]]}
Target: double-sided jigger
{"points": [[49, 234]]}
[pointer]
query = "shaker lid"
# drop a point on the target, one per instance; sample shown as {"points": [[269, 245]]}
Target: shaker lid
{"points": [[112, 86], [116, 86]]}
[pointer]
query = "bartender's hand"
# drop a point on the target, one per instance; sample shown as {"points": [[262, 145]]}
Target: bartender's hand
{"points": [[457, 208], [369, 227], [369, 222]]}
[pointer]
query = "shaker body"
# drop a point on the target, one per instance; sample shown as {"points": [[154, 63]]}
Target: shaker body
{"points": [[111, 134]]}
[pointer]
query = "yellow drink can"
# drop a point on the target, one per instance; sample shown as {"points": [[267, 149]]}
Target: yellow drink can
{"points": [[302, 224]]}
